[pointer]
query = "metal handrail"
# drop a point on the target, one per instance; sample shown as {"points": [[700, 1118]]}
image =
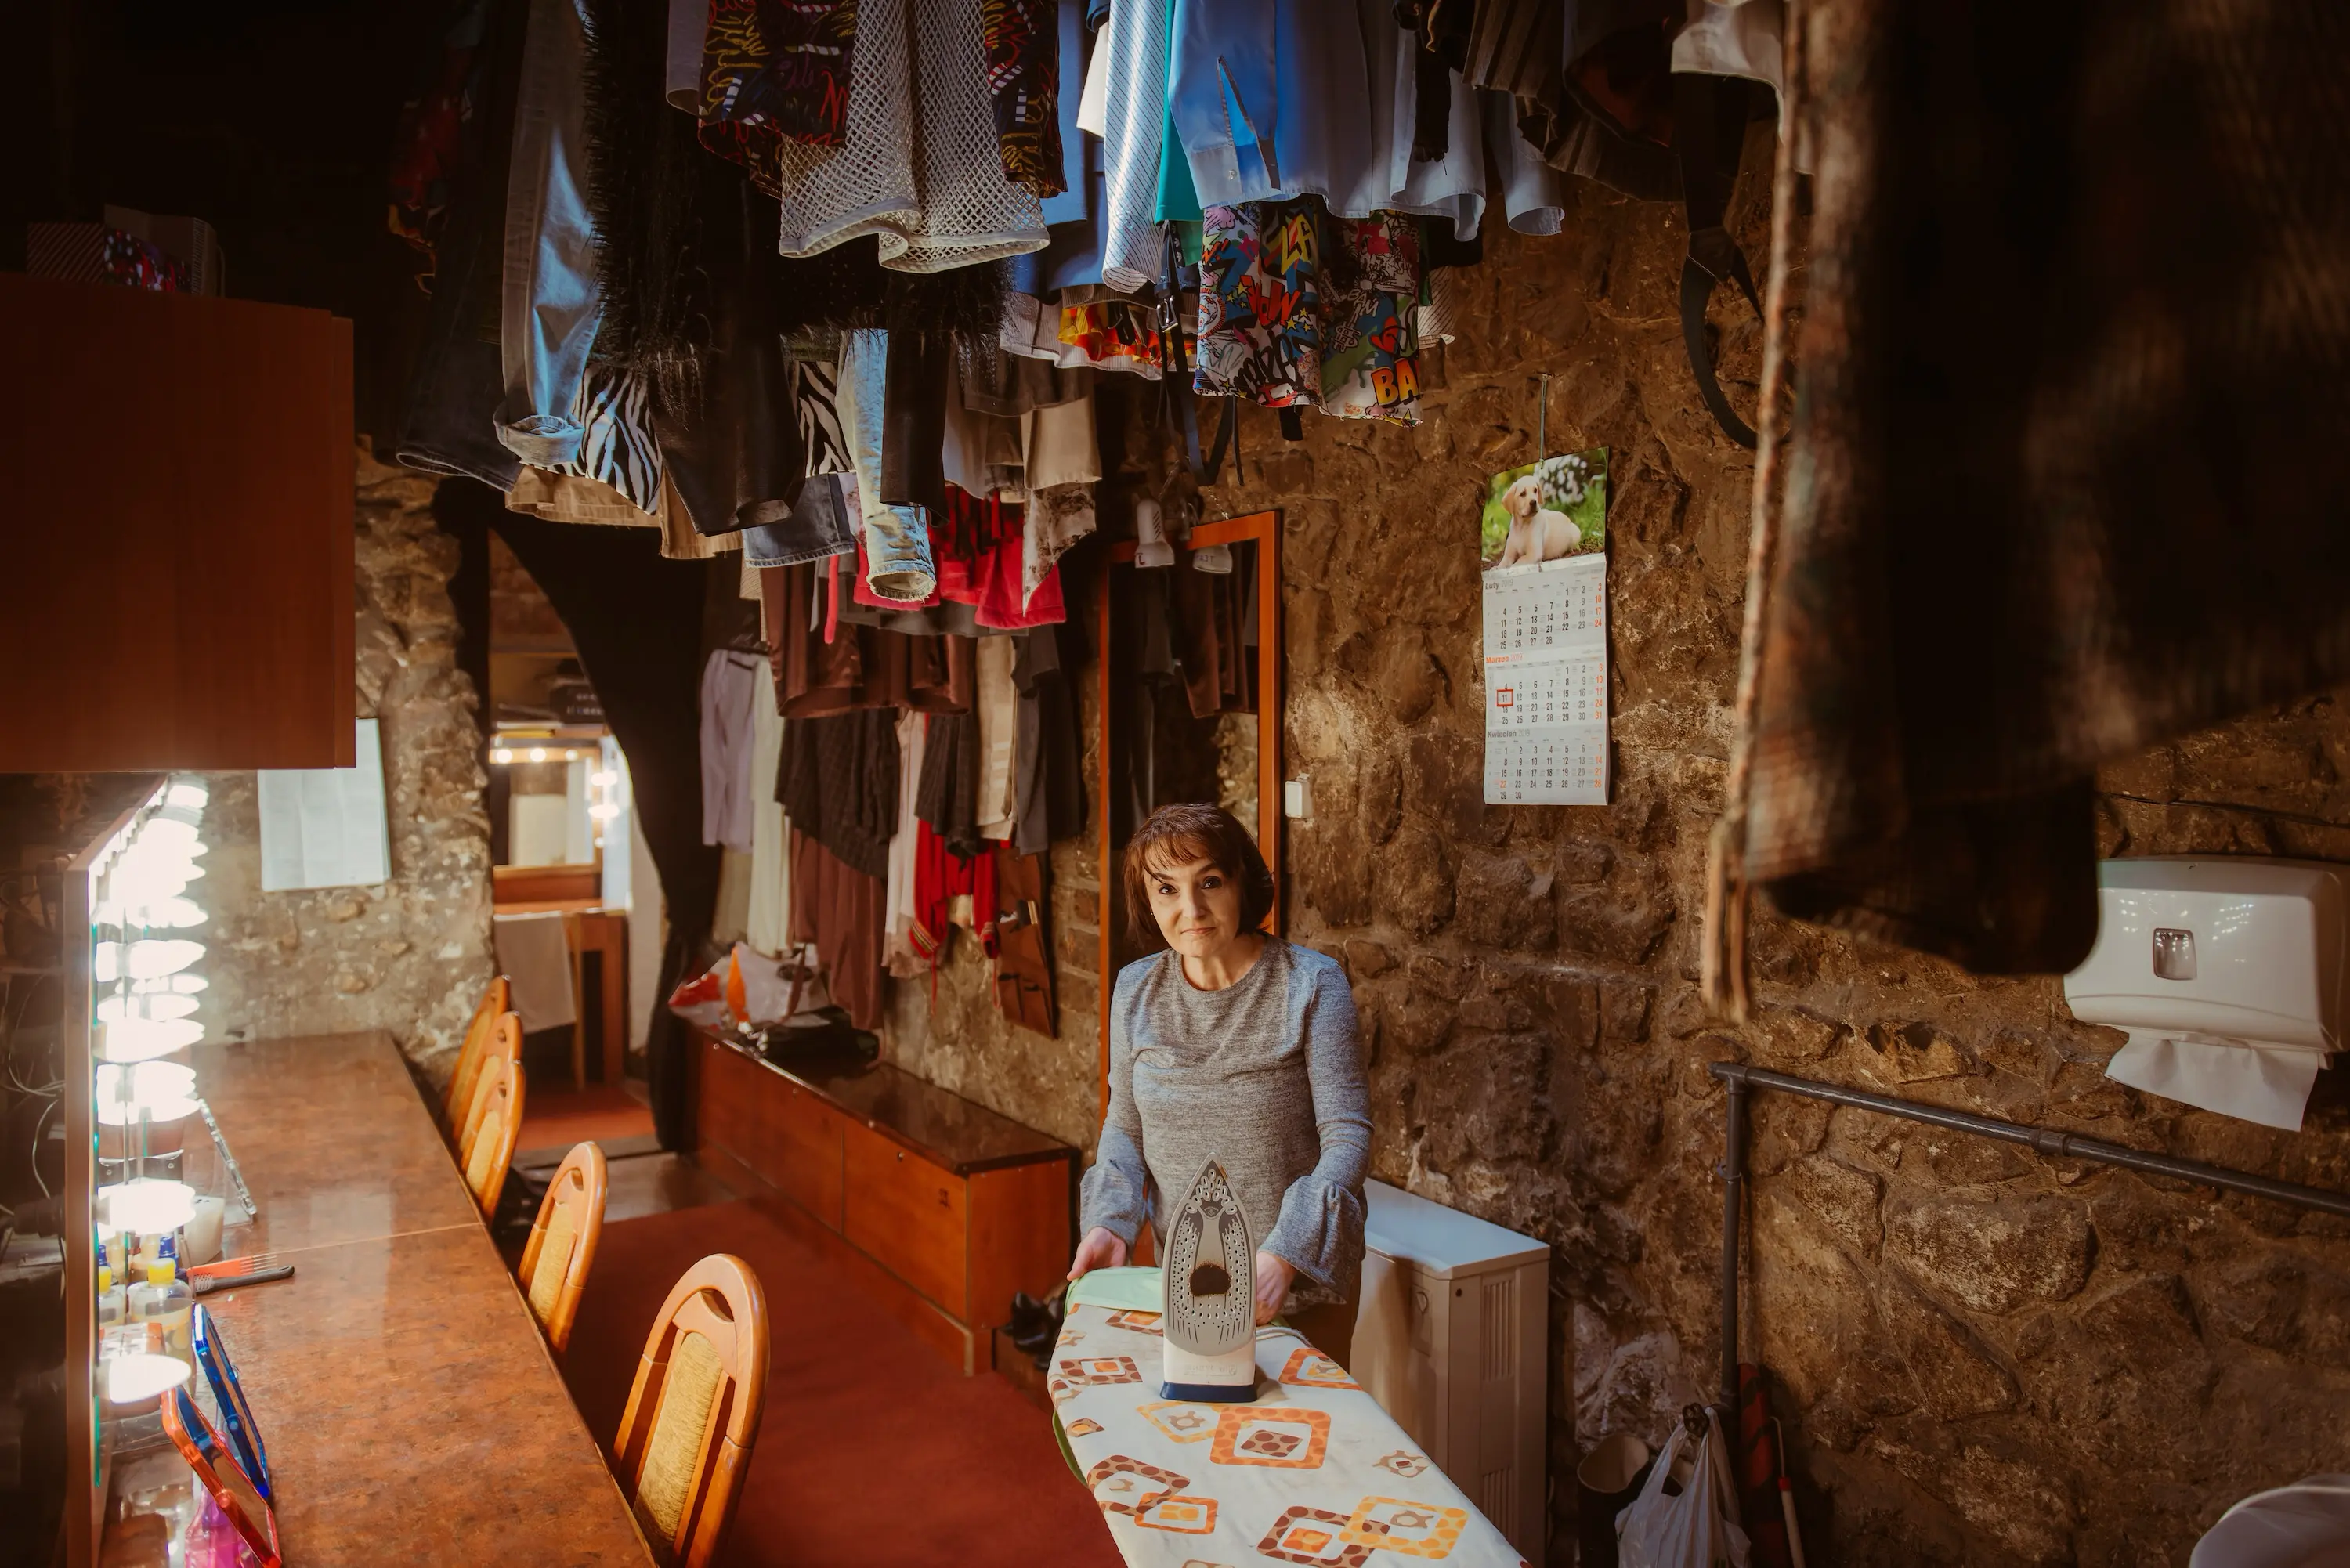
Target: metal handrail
{"points": [[1740, 1079]]}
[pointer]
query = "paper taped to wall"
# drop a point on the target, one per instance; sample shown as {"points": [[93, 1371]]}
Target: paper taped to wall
{"points": [[325, 828]]}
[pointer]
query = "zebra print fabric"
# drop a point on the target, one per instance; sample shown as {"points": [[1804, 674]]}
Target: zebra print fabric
{"points": [[815, 384], [618, 448]]}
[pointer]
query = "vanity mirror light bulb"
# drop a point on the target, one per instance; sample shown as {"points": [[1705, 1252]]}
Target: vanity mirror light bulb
{"points": [[159, 1111], [151, 959], [150, 1004], [604, 778], [142, 1374], [148, 1080], [168, 830], [148, 1205], [144, 1039], [180, 984], [172, 914], [189, 794]]}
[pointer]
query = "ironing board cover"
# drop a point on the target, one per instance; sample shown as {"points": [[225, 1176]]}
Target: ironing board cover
{"points": [[1314, 1472]]}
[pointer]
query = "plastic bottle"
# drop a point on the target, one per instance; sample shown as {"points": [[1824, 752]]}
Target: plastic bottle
{"points": [[112, 1303], [166, 1300]]}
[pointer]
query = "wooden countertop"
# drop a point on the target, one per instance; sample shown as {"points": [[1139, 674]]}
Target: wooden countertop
{"points": [[411, 1410], [958, 1135]]}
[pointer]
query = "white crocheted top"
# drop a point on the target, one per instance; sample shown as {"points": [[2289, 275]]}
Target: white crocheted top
{"points": [[920, 166]]}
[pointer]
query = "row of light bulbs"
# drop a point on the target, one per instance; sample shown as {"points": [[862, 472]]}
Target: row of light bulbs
{"points": [[143, 1016]]}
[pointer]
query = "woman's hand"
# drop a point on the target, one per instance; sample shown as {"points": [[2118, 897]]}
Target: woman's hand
{"points": [[1272, 1277], [1101, 1249]]}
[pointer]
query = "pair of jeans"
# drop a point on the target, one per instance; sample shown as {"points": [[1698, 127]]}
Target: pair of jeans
{"points": [[551, 307], [822, 522], [897, 538], [450, 423]]}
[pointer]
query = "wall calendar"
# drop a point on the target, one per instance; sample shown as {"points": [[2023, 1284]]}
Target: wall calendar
{"points": [[1545, 547]]}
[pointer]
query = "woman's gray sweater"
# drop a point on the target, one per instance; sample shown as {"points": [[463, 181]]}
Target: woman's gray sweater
{"points": [[1265, 1076]]}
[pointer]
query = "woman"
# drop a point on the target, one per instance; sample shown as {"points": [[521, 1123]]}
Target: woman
{"points": [[1234, 1045]]}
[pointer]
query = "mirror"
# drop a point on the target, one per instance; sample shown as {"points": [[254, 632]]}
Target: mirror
{"points": [[1191, 703], [244, 1431], [222, 1479]]}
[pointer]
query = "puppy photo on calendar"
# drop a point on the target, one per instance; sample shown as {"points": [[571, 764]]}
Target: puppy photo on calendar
{"points": [[1545, 511]]}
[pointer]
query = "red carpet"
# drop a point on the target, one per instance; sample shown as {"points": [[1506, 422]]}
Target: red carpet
{"points": [[558, 1117], [873, 1452]]}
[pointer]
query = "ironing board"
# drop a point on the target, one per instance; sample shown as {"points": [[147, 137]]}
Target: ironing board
{"points": [[1314, 1472]]}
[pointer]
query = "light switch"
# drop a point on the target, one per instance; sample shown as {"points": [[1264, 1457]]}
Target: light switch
{"points": [[1297, 798]]}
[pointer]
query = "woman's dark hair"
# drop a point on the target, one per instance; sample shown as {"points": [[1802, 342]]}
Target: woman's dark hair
{"points": [[1176, 835]]}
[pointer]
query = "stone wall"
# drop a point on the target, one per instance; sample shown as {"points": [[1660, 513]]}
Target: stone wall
{"points": [[1982, 1356], [411, 956]]}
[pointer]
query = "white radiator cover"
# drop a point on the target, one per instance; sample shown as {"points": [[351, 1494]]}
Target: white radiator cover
{"points": [[1450, 1338]]}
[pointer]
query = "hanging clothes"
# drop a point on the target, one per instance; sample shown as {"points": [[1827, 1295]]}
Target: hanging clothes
{"points": [[650, 194], [899, 954], [837, 782], [2029, 336], [450, 425], [998, 738], [948, 888], [773, 72], [947, 798], [1261, 304], [1132, 54], [1371, 357], [616, 446], [1048, 785], [1267, 97], [1023, 44], [895, 539], [767, 923], [839, 912], [1023, 950], [550, 304], [736, 456], [920, 164], [1419, 125], [859, 665], [730, 694]]}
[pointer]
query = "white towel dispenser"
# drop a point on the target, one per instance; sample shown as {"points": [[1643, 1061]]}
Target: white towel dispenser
{"points": [[2226, 973]]}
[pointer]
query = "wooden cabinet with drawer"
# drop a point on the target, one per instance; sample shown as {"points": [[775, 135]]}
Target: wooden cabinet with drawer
{"points": [[938, 1206]]}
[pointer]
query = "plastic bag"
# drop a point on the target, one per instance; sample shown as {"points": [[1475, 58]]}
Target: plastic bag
{"points": [[744, 987], [1697, 1527]]}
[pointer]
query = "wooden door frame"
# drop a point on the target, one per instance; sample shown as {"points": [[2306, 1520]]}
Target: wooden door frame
{"points": [[1263, 529]]}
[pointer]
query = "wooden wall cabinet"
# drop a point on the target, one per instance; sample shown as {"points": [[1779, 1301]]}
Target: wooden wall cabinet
{"points": [[179, 533]]}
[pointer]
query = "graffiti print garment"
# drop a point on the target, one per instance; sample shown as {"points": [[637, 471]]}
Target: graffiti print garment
{"points": [[1024, 81], [775, 72], [1370, 360], [1260, 323]]}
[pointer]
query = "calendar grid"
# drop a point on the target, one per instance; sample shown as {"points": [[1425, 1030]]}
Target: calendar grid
{"points": [[1546, 684]]}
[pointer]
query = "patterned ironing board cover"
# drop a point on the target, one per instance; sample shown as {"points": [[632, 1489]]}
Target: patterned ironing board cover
{"points": [[1314, 1472]]}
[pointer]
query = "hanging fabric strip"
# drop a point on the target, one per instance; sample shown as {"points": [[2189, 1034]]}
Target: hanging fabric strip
{"points": [[1721, 954]]}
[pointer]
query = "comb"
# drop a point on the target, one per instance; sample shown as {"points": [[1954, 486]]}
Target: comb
{"points": [[205, 1287], [231, 1268]]}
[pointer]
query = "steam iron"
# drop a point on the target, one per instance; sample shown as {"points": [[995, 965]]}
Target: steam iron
{"points": [[1209, 1322]]}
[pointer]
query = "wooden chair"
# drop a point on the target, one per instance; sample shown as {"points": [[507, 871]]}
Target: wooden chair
{"points": [[505, 1046], [685, 1438], [485, 1158], [562, 1245], [460, 1096]]}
